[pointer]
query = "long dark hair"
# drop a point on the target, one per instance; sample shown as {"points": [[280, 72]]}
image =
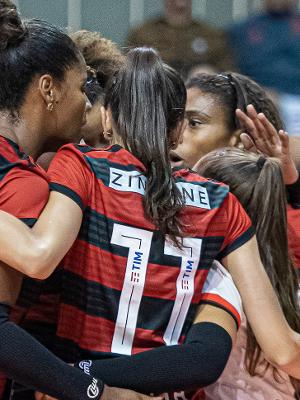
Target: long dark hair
{"points": [[29, 48], [258, 184], [147, 100], [234, 91]]}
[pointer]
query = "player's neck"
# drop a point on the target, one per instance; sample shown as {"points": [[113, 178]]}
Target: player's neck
{"points": [[20, 134]]}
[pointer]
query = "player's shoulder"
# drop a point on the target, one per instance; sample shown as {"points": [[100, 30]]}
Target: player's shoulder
{"points": [[84, 150], [14, 163]]}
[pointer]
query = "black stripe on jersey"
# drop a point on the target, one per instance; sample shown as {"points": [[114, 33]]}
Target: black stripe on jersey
{"points": [[71, 352], [101, 168], [32, 289], [218, 305], [98, 300], [244, 238], [6, 166], [87, 149], [94, 224], [84, 148], [30, 292], [21, 155], [68, 192], [44, 332], [29, 221]]}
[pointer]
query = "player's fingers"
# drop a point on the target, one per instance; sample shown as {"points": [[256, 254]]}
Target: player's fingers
{"points": [[260, 129], [246, 123], [285, 141], [247, 142], [251, 111], [270, 131], [253, 127]]}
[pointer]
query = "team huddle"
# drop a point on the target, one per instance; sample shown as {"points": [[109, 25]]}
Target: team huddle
{"points": [[148, 250]]}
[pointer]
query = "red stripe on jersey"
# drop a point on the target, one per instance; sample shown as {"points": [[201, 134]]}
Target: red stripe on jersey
{"points": [[3, 381], [46, 314], [20, 175], [98, 332], [146, 340], [113, 277]]}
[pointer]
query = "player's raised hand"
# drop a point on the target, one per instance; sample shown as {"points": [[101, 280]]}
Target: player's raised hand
{"points": [[261, 136]]}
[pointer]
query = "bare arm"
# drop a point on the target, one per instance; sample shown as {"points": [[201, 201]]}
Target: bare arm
{"points": [[10, 284], [280, 344], [37, 251], [208, 313]]}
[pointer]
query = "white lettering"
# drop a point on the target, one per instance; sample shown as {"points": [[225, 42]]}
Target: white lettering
{"points": [[194, 195], [127, 181]]}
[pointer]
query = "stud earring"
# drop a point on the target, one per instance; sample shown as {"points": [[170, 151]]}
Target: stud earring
{"points": [[50, 105]]}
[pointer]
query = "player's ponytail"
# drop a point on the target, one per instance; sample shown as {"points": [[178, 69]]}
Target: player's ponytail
{"points": [[147, 101], [258, 184]]}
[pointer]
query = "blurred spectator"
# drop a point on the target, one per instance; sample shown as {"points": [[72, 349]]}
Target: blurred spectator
{"points": [[182, 41], [267, 48]]}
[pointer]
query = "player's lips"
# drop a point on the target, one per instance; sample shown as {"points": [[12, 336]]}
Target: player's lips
{"points": [[176, 160]]}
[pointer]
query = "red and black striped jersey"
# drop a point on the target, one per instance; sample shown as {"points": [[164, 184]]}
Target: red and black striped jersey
{"points": [[126, 288], [24, 191]]}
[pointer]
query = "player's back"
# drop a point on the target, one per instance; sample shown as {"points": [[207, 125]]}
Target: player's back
{"points": [[126, 287]]}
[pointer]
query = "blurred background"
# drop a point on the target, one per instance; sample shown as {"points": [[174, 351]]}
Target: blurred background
{"points": [[114, 18], [258, 38]]}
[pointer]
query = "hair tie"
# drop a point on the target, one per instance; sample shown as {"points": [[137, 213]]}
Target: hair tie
{"points": [[261, 162]]}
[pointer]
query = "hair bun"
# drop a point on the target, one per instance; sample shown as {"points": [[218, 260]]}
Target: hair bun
{"points": [[11, 26]]}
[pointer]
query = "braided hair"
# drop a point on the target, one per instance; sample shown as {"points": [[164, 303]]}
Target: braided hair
{"points": [[234, 91]]}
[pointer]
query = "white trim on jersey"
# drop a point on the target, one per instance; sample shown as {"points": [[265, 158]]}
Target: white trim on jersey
{"points": [[219, 282]]}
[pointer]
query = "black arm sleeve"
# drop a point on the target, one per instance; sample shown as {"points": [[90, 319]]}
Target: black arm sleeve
{"points": [[195, 364], [293, 193], [25, 360]]}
